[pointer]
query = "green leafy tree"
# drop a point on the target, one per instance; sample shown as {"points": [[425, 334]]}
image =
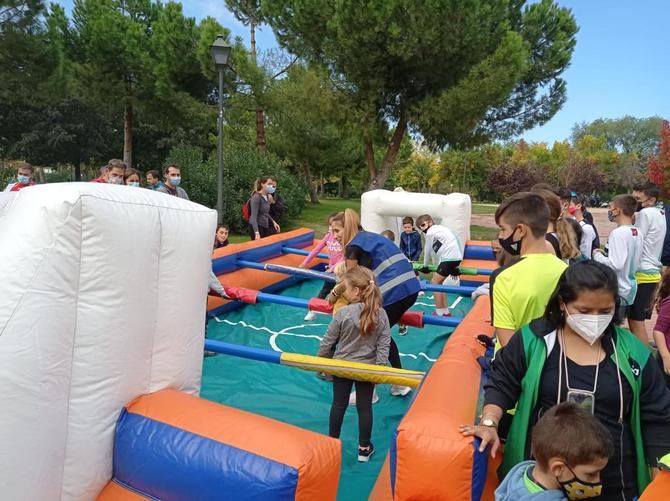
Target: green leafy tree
{"points": [[249, 13], [310, 126], [145, 61], [627, 134], [70, 132], [417, 172], [457, 72]]}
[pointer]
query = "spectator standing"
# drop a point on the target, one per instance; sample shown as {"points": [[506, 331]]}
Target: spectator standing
{"points": [[132, 178], [650, 220], [261, 223], [576, 353], [662, 327], [589, 238], [521, 291], [114, 172], [154, 180], [623, 251], [172, 177], [24, 178]]}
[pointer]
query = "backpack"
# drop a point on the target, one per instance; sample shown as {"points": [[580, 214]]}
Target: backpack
{"points": [[246, 210]]}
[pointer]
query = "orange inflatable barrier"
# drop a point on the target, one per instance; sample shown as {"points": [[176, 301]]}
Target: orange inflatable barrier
{"points": [[170, 445], [267, 250], [429, 457]]}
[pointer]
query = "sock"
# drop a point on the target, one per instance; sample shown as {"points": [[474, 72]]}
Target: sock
{"points": [[442, 311]]}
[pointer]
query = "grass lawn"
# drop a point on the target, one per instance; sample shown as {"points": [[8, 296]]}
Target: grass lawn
{"points": [[484, 208], [482, 232], [314, 216]]}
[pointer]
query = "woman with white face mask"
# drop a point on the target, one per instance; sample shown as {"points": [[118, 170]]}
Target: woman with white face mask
{"points": [[576, 353]]}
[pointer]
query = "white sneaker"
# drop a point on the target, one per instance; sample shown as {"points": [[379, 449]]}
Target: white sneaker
{"points": [[400, 391], [402, 330], [421, 293], [311, 315], [352, 397]]}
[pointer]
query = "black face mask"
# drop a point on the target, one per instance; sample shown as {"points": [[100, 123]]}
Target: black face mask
{"points": [[639, 207], [425, 230], [510, 245]]}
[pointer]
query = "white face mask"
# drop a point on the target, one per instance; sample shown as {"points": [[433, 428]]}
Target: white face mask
{"points": [[589, 327]]}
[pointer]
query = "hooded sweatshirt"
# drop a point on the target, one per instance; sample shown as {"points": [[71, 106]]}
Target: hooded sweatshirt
{"points": [[518, 486]]}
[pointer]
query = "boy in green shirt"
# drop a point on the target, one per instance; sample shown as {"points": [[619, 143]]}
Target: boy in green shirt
{"points": [[520, 292]]}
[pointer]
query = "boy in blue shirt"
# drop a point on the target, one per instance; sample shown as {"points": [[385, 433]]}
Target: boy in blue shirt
{"points": [[571, 448], [410, 240]]}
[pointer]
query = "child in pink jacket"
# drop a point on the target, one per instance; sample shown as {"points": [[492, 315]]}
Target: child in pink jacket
{"points": [[335, 256]]}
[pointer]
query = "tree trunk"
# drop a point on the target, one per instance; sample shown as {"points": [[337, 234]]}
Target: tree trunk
{"points": [[261, 143], [128, 132], [322, 185], [310, 183], [77, 170], [378, 177], [345, 188]]}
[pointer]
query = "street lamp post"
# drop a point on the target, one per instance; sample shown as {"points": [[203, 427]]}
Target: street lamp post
{"points": [[220, 52]]}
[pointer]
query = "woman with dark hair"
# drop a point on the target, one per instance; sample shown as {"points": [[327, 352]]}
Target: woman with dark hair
{"points": [[261, 224], [576, 353], [393, 272]]}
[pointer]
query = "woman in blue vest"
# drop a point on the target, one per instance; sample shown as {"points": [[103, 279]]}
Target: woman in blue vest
{"points": [[394, 273], [577, 353]]}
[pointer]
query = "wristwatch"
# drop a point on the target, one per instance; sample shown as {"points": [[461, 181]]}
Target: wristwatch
{"points": [[489, 422]]}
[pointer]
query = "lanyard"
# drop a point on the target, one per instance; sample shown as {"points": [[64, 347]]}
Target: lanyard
{"points": [[563, 364]]}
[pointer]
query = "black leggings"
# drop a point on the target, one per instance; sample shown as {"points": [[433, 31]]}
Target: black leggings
{"points": [[394, 311], [341, 391], [325, 290], [264, 231]]}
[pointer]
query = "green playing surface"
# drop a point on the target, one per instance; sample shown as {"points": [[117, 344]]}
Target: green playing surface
{"points": [[298, 397]]}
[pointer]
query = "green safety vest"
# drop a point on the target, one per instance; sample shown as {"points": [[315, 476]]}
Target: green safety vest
{"points": [[535, 349]]}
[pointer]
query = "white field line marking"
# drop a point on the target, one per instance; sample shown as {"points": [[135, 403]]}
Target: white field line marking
{"points": [[455, 303]]}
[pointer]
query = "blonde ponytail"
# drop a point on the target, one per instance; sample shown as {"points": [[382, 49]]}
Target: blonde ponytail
{"points": [[371, 298], [567, 240]]}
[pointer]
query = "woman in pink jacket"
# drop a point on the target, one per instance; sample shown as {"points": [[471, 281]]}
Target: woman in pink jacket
{"points": [[335, 255]]}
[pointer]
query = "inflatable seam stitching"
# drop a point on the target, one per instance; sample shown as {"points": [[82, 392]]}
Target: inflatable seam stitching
{"points": [[78, 204], [158, 294]]}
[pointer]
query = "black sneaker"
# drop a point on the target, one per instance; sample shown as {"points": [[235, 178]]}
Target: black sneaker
{"points": [[364, 453]]}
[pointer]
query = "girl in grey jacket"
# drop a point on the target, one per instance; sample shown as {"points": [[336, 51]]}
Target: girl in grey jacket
{"points": [[359, 332]]}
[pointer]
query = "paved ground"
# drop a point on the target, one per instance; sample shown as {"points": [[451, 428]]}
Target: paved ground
{"points": [[599, 219]]}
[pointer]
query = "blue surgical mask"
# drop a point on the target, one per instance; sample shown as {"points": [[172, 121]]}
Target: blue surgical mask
{"points": [[175, 181], [23, 179], [270, 189], [135, 184]]}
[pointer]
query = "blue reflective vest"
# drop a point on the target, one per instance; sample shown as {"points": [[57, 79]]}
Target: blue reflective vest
{"points": [[393, 271]]}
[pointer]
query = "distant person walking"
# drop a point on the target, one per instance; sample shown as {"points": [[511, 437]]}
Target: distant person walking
{"points": [[172, 176], [261, 224]]}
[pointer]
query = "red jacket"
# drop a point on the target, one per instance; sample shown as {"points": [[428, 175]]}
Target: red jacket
{"points": [[18, 186]]}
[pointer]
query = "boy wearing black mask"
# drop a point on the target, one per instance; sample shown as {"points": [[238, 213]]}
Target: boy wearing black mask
{"points": [[521, 292]]}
